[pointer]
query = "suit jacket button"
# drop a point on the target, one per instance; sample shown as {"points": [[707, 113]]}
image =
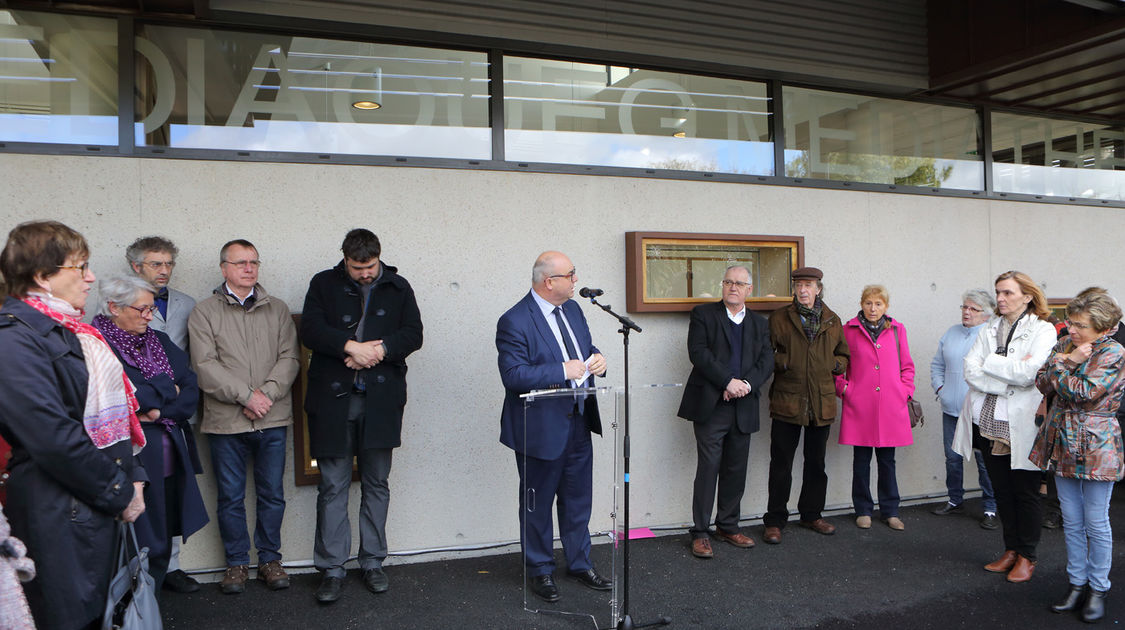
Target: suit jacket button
{"points": [[380, 379], [876, 367], [876, 388]]}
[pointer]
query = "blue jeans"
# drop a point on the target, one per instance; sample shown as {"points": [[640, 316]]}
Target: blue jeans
{"points": [[861, 481], [955, 469], [228, 457], [1085, 510]]}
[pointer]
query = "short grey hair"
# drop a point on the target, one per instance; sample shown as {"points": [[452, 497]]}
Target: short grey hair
{"points": [[744, 267], [120, 290], [981, 298], [541, 270], [135, 253]]}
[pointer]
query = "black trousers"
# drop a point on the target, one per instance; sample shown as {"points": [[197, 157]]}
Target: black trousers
{"points": [[814, 486], [1017, 499], [722, 457]]}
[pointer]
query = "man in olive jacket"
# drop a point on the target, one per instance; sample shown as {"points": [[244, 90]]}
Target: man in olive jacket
{"points": [[809, 349], [361, 321]]}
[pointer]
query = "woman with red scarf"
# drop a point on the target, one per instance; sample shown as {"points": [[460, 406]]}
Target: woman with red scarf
{"points": [[167, 394], [68, 412]]}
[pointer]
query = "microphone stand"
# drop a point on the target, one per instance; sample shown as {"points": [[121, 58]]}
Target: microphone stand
{"points": [[626, 622]]}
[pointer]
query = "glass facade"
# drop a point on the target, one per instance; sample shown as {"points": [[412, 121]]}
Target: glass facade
{"points": [[580, 113], [855, 138], [58, 78], [205, 89], [1061, 158], [269, 95]]}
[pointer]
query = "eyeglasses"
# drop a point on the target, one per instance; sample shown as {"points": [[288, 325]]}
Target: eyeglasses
{"points": [[83, 268], [966, 307], [143, 310], [735, 283], [568, 275], [243, 263], [1072, 325], [159, 265]]}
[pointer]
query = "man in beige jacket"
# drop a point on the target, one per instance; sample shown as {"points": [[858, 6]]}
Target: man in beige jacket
{"points": [[244, 350]]}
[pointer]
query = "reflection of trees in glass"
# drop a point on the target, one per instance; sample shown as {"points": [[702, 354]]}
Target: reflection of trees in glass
{"points": [[684, 164], [900, 170]]}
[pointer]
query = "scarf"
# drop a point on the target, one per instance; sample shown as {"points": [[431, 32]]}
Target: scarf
{"points": [[810, 317], [873, 328], [998, 430], [144, 352], [110, 414]]}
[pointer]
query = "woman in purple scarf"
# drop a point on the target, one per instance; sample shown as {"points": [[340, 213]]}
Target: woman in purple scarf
{"points": [[167, 394]]}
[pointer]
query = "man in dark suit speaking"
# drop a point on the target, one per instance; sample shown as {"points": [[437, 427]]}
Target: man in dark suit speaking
{"points": [[543, 343], [731, 359]]}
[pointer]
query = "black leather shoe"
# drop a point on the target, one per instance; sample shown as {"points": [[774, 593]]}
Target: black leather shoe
{"points": [[179, 582], [376, 581], [1095, 606], [1072, 601], [947, 509], [590, 579], [329, 590], [543, 586], [989, 522]]}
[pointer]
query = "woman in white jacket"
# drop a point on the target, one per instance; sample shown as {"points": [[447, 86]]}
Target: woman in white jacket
{"points": [[998, 416]]}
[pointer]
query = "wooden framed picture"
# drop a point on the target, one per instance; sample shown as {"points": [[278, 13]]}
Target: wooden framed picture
{"points": [[674, 271]]}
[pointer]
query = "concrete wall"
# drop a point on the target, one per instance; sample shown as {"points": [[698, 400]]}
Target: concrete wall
{"points": [[466, 241]]}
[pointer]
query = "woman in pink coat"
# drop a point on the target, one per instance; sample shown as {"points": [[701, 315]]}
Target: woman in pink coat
{"points": [[874, 389]]}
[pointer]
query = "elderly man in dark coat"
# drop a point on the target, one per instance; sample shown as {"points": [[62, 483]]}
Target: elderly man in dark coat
{"points": [[731, 359], [361, 321], [809, 350]]}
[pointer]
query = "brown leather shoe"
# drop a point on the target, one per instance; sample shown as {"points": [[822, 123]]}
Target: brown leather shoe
{"points": [[234, 580], [819, 526], [772, 535], [1022, 571], [738, 539], [701, 548], [1003, 564], [273, 575]]}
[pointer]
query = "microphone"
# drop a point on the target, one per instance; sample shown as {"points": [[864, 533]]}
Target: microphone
{"points": [[587, 292]]}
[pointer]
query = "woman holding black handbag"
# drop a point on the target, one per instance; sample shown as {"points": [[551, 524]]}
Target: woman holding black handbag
{"points": [[68, 412]]}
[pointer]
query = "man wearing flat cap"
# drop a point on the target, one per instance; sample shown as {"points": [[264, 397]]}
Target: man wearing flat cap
{"points": [[809, 350]]}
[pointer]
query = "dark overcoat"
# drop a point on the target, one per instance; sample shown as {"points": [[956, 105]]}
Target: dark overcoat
{"points": [[64, 492], [159, 392], [709, 349], [330, 316]]}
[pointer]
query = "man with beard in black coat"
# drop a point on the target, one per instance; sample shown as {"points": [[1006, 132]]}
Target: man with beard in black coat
{"points": [[361, 321]]}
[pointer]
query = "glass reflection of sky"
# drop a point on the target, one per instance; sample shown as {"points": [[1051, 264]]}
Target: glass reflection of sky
{"points": [[639, 151], [340, 138], [57, 129], [1080, 183]]}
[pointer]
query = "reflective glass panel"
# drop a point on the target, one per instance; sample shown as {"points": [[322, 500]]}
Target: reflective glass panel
{"points": [[850, 137], [581, 113], [684, 270], [223, 90], [58, 78], [1043, 156]]}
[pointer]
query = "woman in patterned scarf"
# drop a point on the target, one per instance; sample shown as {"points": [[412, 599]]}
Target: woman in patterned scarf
{"points": [[167, 393], [998, 416], [69, 413], [1081, 439]]}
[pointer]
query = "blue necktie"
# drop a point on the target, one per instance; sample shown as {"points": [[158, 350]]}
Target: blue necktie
{"points": [[570, 353]]}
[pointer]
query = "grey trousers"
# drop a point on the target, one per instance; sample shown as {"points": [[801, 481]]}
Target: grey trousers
{"points": [[333, 543]]}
